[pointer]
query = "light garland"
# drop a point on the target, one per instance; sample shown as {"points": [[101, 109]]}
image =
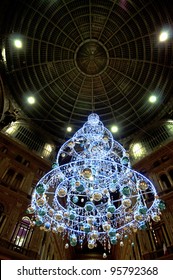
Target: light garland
{"points": [[92, 194]]}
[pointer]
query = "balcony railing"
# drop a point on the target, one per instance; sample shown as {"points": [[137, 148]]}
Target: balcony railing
{"points": [[11, 249], [160, 254]]}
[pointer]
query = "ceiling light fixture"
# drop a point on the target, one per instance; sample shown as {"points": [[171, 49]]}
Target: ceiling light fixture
{"points": [[114, 129], [152, 99], [18, 43], [31, 100], [69, 129], [164, 35], [92, 194]]}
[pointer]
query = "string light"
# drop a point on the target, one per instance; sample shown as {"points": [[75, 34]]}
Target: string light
{"points": [[92, 194]]}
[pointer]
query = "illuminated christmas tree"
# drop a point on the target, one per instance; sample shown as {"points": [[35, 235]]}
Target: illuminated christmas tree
{"points": [[92, 194]]}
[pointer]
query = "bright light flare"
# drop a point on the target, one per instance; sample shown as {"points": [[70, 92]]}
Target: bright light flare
{"points": [[114, 128], [69, 129], [164, 35], [31, 100], [152, 99], [18, 43]]}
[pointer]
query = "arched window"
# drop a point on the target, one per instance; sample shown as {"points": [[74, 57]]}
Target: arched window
{"points": [[165, 181], [17, 181], [22, 233], [3, 150], [26, 163], [8, 176], [19, 158]]}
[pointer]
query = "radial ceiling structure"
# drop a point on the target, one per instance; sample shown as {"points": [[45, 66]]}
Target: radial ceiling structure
{"points": [[77, 57]]}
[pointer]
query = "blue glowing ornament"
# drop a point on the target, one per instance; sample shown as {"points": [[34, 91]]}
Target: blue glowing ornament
{"points": [[75, 199], [42, 212], [142, 226], [161, 205], [38, 222], [89, 206], [112, 232], [111, 208], [79, 187], [40, 188], [47, 225], [143, 210], [54, 165], [86, 228], [87, 198], [126, 190], [72, 215], [113, 240], [125, 160]]}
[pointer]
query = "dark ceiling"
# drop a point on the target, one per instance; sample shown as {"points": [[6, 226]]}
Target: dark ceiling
{"points": [[83, 56]]}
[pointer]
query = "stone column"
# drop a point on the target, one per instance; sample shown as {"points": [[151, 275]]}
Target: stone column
{"points": [[27, 183], [36, 240], [4, 164], [10, 224]]}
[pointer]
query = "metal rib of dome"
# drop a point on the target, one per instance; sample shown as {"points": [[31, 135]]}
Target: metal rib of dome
{"points": [[89, 56]]}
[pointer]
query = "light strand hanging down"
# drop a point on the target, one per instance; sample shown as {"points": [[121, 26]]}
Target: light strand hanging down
{"points": [[92, 194]]}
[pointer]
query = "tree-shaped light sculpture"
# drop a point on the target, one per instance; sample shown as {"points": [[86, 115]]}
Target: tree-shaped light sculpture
{"points": [[92, 194]]}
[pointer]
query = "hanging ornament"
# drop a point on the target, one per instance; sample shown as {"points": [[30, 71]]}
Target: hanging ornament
{"points": [[104, 255]]}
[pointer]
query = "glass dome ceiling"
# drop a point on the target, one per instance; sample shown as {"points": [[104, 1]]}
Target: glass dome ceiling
{"points": [[79, 57]]}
